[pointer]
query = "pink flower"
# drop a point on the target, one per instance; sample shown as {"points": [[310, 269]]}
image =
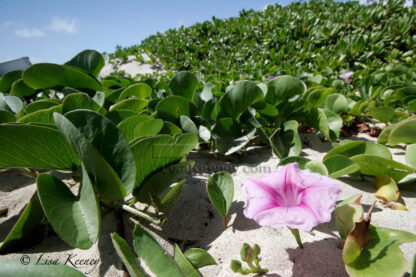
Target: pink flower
{"points": [[346, 76], [271, 77], [299, 199]]}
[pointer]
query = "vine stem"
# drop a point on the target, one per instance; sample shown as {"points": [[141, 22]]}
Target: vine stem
{"points": [[295, 233], [138, 213], [29, 172]]}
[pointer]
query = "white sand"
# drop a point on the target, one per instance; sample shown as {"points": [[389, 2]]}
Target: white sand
{"points": [[194, 222], [132, 67]]}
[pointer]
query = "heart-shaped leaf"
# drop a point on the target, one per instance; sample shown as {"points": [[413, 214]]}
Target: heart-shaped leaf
{"points": [[283, 88], [148, 128], [90, 61], [13, 268], [337, 103], [20, 89], [184, 84], [403, 132], [81, 100], [382, 255], [159, 181], [188, 125], [42, 116], [23, 145], [172, 107], [41, 105], [220, 188], [155, 257], [128, 125], [76, 220], [353, 148], [384, 114], [103, 149], [8, 79], [156, 152], [48, 75], [134, 105], [376, 165], [127, 256], [340, 165], [326, 121], [28, 230], [139, 91], [238, 99]]}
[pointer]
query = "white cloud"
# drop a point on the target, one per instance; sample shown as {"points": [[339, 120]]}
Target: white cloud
{"points": [[66, 25], [29, 33], [8, 24]]}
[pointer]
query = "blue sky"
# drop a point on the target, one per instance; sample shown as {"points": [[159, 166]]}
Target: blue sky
{"points": [[55, 31]]}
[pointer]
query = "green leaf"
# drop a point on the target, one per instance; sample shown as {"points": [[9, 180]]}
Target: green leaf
{"points": [[90, 61], [186, 267], [353, 148], [411, 155], [8, 79], [148, 128], [127, 256], [172, 107], [20, 89], [383, 137], [119, 115], [6, 116], [48, 75], [159, 181], [326, 121], [403, 132], [340, 165], [290, 138], [199, 257], [28, 230], [128, 125], [155, 257], [42, 116], [384, 114], [188, 125], [156, 152], [228, 136], [81, 100], [204, 133], [220, 188], [337, 103], [14, 268], [13, 103], [282, 88], [103, 149], [382, 255], [206, 93], [239, 98], [375, 165], [184, 84], [139, 91], [134, 105], [347, 213], [23, 145], [317, 167], [41, 105], [170, 128], [76, 220]]}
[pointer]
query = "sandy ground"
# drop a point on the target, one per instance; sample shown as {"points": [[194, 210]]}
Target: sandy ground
{"points": [[195, 223], [132, 67]]}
